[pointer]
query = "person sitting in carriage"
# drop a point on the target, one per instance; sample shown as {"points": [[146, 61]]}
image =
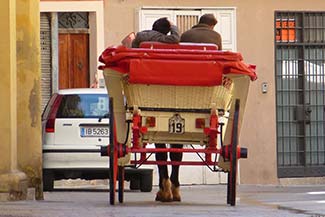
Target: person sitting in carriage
{"points": [[168, 187], [201, 33]]}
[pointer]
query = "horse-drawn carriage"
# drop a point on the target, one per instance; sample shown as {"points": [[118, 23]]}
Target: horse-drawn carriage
{"points": [[189, 94]]}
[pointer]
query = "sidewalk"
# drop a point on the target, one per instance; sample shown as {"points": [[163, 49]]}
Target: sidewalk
{"points": [[198, 201]]}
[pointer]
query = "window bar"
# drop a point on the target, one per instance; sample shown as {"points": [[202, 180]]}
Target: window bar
{"points": [[314, 16], [282, 109], [294, 104], [302, 147], [308, 79], [322, 101], [305, 30], [323, 82], [316, 104], [323, 29], [289, 93]]}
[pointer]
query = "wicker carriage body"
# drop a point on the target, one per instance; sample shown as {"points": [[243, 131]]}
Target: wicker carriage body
{"points": [[164, 101]]}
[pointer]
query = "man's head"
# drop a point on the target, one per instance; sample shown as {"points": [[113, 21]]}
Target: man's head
{"points": [[208, 19], [161, 25]]}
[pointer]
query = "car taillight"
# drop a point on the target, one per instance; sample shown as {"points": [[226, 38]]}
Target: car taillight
{"points": [[50, 123]]}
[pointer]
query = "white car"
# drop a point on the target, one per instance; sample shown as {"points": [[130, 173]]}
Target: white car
{"points": [[75, 126]]}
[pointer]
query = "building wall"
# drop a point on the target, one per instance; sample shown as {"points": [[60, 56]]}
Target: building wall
{"points": [[28, 93], [20, 130], [255, 40]]}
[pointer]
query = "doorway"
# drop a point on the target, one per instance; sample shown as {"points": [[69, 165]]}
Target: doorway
{"points": [[73, 60], [73, 50]]}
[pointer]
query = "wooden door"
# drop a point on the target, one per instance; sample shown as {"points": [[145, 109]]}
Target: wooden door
{"points": [[73, 60]]}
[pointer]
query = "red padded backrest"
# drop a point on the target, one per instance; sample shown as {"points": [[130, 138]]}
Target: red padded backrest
{"points": [[182, 45]]}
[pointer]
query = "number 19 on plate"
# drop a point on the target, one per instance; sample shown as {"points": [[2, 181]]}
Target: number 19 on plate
{"points": [[176, 124]]}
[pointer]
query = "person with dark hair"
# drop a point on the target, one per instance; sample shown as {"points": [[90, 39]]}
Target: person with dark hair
{"points": [[203, 32], [168, 187], [160, 29]]}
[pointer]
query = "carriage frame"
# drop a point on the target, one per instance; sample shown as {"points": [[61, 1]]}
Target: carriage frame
{"points": [[212, 107]]}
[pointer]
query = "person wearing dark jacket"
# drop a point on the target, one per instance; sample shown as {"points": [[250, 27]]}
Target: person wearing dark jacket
{"points": [[168, 185], [160, 29], [203, 32]]}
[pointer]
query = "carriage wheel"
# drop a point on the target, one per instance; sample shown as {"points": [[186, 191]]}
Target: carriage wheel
{"points": [[231, 187], [112, 155], [120, 183], [113, 175]]}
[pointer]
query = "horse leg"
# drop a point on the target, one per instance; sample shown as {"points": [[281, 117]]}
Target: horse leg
{"points": [[164, 194], [174, 177]]}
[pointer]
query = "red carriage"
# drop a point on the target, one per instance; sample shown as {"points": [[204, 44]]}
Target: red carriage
{"points": [[176, 94]]}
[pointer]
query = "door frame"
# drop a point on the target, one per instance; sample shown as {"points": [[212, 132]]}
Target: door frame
{"points": [[96, 28]]}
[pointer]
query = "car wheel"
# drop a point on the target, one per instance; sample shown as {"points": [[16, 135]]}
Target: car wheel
{"points": [[48, 181], [135, 184], [146, 181]]}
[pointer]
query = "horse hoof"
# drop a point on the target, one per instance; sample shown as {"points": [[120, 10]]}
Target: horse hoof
{"points": [[165, 194], [176, 194], [159, 196]]}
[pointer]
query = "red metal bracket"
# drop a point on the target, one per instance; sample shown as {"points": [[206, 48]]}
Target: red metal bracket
{"points": [[137, 129], [212, 131]]}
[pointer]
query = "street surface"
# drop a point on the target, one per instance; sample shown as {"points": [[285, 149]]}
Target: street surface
{"points": [[197, 201]]}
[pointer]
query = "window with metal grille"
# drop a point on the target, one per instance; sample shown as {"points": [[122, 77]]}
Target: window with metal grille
{"points": [[300, 93], [186, 18], [73, 20]]}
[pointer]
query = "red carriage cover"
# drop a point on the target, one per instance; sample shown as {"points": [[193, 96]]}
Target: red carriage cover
{"points": [[177, 64]]}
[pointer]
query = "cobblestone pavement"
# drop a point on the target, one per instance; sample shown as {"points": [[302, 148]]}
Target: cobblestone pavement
{"points": [[198, 201]]}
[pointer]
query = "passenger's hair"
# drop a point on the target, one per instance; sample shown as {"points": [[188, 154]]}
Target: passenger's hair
{"points": [[161, 25], [208, 19]]}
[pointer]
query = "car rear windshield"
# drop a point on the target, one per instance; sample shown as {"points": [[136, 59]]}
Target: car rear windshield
{"points": [[83, 106]]}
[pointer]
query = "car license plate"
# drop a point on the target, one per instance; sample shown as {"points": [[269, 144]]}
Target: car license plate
{"points": [[94, 132], [176, 124]]}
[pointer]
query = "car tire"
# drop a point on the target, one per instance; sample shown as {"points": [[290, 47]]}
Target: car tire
{"points": [[48, 180], [146, 181], [135, 183]]}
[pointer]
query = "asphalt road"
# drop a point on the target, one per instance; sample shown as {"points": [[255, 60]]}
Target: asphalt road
{"points": [[198, 201]]}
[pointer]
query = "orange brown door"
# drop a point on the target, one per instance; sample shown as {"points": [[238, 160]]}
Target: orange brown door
{"points": [[73, 60]]}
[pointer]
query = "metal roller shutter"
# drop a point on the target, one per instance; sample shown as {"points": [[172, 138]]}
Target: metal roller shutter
{"points": [[45, 36]]}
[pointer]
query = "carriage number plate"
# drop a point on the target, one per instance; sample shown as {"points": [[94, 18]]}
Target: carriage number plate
{"points": [[176, 124]]}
